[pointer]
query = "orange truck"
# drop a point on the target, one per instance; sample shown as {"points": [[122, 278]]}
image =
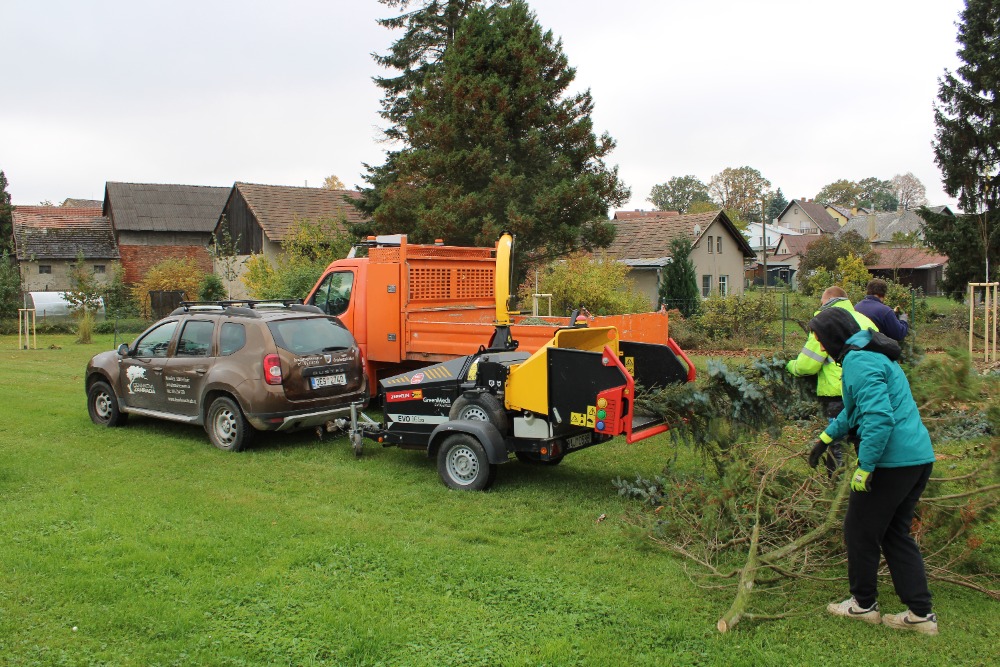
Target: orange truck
{"points": [[411, 305]]}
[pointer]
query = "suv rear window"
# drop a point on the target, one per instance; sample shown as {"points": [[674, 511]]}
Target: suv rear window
{"points": [[303, 336]]}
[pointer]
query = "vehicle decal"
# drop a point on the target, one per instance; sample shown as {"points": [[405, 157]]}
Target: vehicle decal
{"points": [[408, 395], [134, 373], [581, 419], [417, 378], [439, 401], [417, 419], [178, 385], [437, 372], [321, 359]]}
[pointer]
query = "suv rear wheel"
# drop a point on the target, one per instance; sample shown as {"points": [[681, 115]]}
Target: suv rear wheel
{"points": [[227, 428]]}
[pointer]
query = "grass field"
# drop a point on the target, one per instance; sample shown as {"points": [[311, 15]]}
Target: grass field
{"points": [[144, 545]]}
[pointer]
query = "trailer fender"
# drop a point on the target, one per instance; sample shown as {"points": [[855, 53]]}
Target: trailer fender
{"points": [[486, 433]]}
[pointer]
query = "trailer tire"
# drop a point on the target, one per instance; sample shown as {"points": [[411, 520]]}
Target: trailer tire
{"points": [[481, 407], [464, 465]]}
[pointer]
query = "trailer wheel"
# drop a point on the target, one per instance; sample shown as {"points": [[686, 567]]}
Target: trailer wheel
{"points": [[464, 465], [481, 408]]}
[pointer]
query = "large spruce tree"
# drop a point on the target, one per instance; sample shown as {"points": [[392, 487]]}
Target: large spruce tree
{"points": [[967, 146], [494, 142]]}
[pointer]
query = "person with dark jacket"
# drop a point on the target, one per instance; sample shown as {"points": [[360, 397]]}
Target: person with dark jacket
{"points": [[895, 458], [813, 360], [888, 321]]}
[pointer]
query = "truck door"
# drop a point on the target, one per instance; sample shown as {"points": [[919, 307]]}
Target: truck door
{"points": [[333, 296]]}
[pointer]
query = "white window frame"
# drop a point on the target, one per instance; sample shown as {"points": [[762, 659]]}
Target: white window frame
{"points": [[723, 285]]}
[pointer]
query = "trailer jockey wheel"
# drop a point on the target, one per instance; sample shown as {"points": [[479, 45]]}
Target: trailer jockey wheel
{"points": [[480, 407], [464, 465], [357, 443]]}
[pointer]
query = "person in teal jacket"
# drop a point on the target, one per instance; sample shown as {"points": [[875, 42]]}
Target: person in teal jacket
{"points": [[813, 360], [895, 459]]}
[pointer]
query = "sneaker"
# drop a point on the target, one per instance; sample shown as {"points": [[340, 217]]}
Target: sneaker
{"points": [[910, 621], [851, 609]]}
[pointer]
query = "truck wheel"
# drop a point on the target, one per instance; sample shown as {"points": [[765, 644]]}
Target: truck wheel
{"points": [[481, 408], [102, 404], [227, 428], [532, 458], [464, 465]]}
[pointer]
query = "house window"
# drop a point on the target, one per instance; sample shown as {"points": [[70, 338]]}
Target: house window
{"points": [[718, 244], [45, 268], [706, 286], [723, 285], [98, 268], [709, 245]]}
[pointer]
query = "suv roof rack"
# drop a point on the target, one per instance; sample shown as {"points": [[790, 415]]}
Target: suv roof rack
{"points": [[243, 306]]}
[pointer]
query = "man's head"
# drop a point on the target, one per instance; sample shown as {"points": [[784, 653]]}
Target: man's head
{"points": [[831, 293], [832, 328], [877, 288]]}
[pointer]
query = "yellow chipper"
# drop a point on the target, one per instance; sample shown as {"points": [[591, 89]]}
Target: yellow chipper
{"points": [[473, 412]]}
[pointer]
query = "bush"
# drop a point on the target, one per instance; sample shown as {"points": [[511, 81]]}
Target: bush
{"points": [[597, 283], [119, 302], [737, 315], [10, 288], [170, 274], [85, 329], [211, 288], [132, 325]]}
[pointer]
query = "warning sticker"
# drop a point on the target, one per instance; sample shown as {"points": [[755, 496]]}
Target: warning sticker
{"points": [[630, 365]]}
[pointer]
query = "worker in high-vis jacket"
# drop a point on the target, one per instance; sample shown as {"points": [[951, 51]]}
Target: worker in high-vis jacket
{"points": [[813, 360]]}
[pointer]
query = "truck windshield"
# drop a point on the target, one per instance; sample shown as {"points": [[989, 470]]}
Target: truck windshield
{"points": [[334, 293]]}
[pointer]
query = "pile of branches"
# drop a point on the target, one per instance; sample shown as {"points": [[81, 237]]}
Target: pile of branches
{"points": [[756, 518]]}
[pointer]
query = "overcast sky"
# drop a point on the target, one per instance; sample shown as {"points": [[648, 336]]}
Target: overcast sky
{"points": [[209, 92]]}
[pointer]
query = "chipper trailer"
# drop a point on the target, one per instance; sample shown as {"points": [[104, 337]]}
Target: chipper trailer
{"points": [[473, 412]]}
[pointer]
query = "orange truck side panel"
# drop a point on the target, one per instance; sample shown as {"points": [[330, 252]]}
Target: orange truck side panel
{"points": [[427, 303]]}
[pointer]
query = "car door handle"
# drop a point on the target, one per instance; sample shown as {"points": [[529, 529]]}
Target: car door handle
{"points": [[201, 371]]}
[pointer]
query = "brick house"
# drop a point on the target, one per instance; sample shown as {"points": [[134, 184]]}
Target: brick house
{"points": [[719, 253], [48, 239], [154, 222]]}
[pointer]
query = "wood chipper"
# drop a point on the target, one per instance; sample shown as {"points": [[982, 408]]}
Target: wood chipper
{"points": [[473, 412]]}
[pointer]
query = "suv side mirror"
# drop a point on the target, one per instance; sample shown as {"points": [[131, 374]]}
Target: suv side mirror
{"points": [[123, 350]]}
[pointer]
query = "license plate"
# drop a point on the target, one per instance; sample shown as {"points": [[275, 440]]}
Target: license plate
{"points": [[578, 441], [328, 380]]}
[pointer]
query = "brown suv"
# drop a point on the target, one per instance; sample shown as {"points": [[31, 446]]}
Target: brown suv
{"points": [[234, 367]]}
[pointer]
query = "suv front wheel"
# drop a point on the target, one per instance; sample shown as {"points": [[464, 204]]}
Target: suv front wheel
{"points": [[103, 405], [227, 428]]}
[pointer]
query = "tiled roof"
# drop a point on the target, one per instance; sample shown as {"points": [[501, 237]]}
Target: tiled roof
{"points": [[277, 207], [152, 207], [629, 215], [819, 215], [69, 202], [60, 232], [907, 258], [649, 237], [797, 244], [843, 210], [882, 226]]}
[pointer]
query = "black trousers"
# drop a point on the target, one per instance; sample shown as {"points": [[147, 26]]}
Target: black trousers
{"points": [[878, 522]]}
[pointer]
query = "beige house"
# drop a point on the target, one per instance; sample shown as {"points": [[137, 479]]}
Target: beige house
{"points": [[719, 253], [49, 239], [806, 216]]}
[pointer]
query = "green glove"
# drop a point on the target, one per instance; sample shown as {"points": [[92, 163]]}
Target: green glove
{"points": [[862, 481]]}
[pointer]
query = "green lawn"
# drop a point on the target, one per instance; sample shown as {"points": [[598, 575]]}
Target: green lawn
{"points": [[144, 545]]}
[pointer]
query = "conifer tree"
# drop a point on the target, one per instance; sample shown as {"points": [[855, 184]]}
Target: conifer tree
{"points": [[6, 217], [967, 142], [679, 285], [494, 143]]}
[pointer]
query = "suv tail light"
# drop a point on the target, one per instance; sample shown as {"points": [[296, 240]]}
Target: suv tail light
{"points": [[272, 369]]}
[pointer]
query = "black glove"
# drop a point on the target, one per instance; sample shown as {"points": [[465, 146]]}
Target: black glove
{"points": [[816, 452]]}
